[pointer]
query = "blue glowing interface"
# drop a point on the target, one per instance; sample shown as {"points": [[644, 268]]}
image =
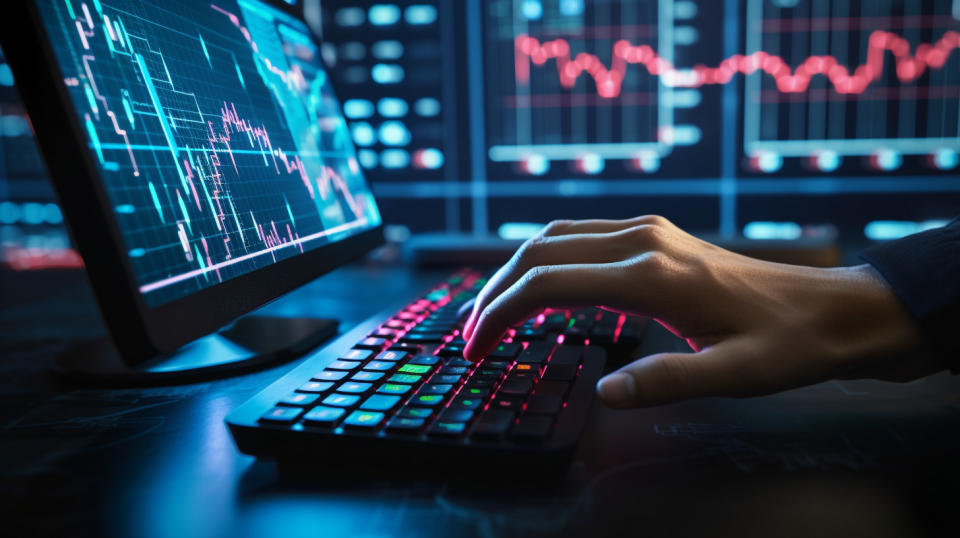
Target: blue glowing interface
{"points": [[218, 138]]}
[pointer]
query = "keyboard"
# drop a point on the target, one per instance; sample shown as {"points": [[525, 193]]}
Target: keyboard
{"points": [[400, 382]]}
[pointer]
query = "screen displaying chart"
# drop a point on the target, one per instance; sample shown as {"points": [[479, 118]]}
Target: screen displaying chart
{"points": [[579, 87], [219, 141], [841, 86]]}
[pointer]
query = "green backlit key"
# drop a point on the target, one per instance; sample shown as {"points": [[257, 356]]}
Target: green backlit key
{"points": [[415, 412], [414, 369], [427, 400], [363, 420], [404, 378], [393, 388]]}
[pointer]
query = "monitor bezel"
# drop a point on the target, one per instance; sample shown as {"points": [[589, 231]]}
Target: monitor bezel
{"points": [[140, 332]]}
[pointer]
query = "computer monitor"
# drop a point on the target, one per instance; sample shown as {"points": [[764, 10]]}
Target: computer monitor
{"points": [[199, 154]]}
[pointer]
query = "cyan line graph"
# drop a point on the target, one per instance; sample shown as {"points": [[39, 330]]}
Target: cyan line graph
{"points": [[220, 123]]}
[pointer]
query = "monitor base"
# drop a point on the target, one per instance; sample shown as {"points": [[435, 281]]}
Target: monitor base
{"points": [[251, 342]]}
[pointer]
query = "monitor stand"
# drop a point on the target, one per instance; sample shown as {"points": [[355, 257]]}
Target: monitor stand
{"points": [[249, 343]]}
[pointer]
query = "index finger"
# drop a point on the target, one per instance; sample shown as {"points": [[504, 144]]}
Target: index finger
{"points": [[556, 286]]}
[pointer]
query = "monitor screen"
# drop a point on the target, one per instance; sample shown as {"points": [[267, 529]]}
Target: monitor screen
{"points": [[219, 142]]}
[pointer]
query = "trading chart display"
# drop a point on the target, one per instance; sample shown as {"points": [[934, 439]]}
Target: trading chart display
{"points": [[590, 88], [216, 134], [860, 87], [620, 89]]}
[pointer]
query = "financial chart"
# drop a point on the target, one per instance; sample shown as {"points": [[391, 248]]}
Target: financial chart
{"points": [[612, 88], [867, 83], [216, 133]]}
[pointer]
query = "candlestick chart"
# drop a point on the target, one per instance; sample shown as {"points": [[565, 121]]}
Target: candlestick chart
{"points": [[219, 141]]}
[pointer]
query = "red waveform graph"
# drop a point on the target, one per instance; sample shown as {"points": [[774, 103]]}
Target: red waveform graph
{"points": [[609, 80]]}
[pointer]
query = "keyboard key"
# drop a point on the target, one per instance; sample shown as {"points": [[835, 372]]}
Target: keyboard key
{"points": [[329, 375], [354, 387], [427, 400], [316, 387], [396, 324], [528, 334], [371, 343], [495, 365], [551, 388], [480, 383], [516, 387], [427, 360], [392, 356], [406, 316], [560, 372], [566, 355], [510, 404], [344, 365], [422, 338], [341, 400], [459, 362], [357, 355], [414, 369], [393, 388], [539, 404], [475, 392], [522, 375], [379, 366], [493, 424], [405, 425], [451, 351], [409, 379], [435, 388], [415, 412], [447, 429], [532, 428], [299, 399], [409, 348], [506, 351], [323, 416], [281, 415], [461, 403], [384, 333], [451, 379], [453, 370], [363, 420], [367, 376], [456, 415], [380, 402]]}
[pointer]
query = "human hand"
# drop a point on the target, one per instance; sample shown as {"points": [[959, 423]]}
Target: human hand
{"points": [[756, 327]]}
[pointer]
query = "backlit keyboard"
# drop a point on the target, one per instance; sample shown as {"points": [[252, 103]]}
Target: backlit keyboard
{"points": [[404, 382]]}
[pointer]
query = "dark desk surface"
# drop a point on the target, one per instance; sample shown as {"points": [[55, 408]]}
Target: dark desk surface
{"points": [[838, 459]]}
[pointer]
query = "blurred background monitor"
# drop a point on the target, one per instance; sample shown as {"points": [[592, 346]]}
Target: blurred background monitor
{"points": [[763, 119]]}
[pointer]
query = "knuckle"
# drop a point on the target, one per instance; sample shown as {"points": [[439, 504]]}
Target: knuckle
{"points": [[658, 220], [556, 226], [537, 277]]}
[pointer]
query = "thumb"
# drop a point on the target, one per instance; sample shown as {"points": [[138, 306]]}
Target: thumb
{"points": [[720, 370]]}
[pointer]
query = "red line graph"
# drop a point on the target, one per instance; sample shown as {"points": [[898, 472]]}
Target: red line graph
{"points": [[609, 80]]}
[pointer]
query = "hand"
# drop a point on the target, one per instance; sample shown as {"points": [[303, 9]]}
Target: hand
{"points": [[756, 327]]}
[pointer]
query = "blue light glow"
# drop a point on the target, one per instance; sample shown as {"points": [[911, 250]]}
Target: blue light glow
{"points": [[387, 73], [886, 230], [946, 159], [363, 134], [429, 158], [350, 16], [392, 107], [394, 133], [420, 14], [368, 158], [395, 158], [357, 108], [536, 165], [384, 14], [388, 49], [769, 162], [532, 9], [888, 160], [591, 163], [427, 107], [571, 8], [6, 75], [828, 161], [772, 230], [518, 231]]}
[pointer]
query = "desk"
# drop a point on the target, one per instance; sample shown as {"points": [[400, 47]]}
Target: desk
{"points": [[838, 459]]}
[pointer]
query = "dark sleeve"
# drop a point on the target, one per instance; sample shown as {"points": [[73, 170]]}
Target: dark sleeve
{"points": [[924, 271]]}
